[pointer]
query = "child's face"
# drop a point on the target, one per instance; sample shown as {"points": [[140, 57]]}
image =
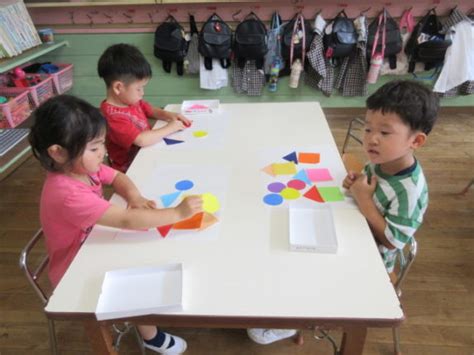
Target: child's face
{"points": [[388, 140], [131, 93], [92, 157]]}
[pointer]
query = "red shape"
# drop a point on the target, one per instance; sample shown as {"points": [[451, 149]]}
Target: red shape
{"points": [[164, 230], [313, 194], [296, 184]]}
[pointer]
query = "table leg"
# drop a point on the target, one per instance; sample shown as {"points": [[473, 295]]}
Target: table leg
{"points": [[99, 338], [353, 341]]}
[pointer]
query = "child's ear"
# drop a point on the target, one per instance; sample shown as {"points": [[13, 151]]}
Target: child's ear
{"points": [[58, 154], [418, 140], [117, 87]]}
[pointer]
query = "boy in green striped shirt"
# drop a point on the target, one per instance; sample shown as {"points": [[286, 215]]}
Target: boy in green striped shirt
{"points": [[391, 192]]}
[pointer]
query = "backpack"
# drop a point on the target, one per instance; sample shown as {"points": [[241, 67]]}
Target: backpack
{"points": [[250, 41], [342, 40], [432, 49], [287, 35], [393, 39], [170, 44], [215, 41]]}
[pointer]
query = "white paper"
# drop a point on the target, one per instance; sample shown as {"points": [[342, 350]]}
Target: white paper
{"points": [[140, 291], [312, 230], [194, 107]]}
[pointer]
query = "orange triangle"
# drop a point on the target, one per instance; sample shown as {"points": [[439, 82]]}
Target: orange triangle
{"points": [[313, 194], [164, 230], [269, 170], [191, 223], [208, 220]]}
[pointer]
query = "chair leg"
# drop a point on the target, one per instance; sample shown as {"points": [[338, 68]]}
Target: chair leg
{"points": [[466, 189], [396, 340], [139, 340], [52, 337]]}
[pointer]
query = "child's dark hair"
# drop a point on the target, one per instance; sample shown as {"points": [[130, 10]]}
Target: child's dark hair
{"points": [[415, 103], [123, 62], [66, 121]]}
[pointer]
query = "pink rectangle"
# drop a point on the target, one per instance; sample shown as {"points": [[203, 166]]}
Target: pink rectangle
{"points": [[316, 175]]}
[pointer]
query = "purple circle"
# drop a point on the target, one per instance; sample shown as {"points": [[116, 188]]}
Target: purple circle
{"points": [[296, 184], [184, 185], [273, 199], [276, 187]]}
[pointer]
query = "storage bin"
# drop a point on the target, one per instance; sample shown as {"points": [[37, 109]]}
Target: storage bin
{"points": [[63, 79], [38, 93], [17, 109]]}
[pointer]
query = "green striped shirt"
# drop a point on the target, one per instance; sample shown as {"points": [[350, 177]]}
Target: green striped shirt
{"points": [[402, 200]]}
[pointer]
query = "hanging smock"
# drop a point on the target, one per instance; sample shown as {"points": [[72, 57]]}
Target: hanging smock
{"points": [[319, 72], [248, 80], [457, 74], [351, 80], [212, 79]]}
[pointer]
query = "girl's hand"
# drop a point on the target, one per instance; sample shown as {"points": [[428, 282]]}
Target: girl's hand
{"points": [[362, 190], [142, 202], [189, 206], [350, 179]]}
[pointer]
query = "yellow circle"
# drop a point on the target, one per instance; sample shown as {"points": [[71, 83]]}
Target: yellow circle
{"points": [[290, 193], [210, 203], [199, 134]]}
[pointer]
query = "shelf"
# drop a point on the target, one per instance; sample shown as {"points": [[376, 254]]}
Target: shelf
{"points": [[29, 55]]}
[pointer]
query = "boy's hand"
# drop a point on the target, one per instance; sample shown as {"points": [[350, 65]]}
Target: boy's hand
{"points": [[361, 190], [177, 116], [142, 202], [175, 125], [189, 206], [350, 179]]}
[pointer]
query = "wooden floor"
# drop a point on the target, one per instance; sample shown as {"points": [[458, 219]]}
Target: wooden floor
{"points": [[438, 296]]}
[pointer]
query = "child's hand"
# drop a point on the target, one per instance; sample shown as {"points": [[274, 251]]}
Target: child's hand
{"points": [[350, 179], [362, 190], [187, 122], [189, 206], [142, 202], [175, 125]]}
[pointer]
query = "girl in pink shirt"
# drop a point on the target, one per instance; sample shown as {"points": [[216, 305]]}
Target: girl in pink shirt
{"points": [[68, 138]]}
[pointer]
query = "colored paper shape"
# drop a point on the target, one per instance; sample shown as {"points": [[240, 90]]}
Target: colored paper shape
{"points": [[208, 220], [273, 199], [309, 158], [168, 199], [199, 134], [191, 223], [269, 170], [275, 187], [184, 185], [316, 175], [170, 141], [313, 194], [296, 184], [164, 230], [301, 175], [284, 168], [291, 157], [210, 203], [331, 193], [290, 194]]}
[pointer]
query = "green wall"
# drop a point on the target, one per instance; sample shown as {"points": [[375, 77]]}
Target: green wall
{"points": [[85, 49]]}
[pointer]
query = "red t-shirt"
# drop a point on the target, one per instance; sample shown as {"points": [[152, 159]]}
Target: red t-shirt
{"points": [[125, 124]]}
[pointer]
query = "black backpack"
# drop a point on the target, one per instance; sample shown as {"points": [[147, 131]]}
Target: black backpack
{"points": [[432, 51], [393, 39], [215, 41], [170, 44], [342, 40], [286, 37], [250, 41]]}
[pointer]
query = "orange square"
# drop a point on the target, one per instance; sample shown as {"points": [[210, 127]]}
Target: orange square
{"points": [[308, 158]]}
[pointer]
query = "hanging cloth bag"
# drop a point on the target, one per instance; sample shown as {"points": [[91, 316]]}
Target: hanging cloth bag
{"points": [[191, 62], [273, 56], [298, 37], [376, 58]]}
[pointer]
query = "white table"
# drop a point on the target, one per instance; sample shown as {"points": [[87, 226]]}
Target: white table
{"points": [[247, 277]]}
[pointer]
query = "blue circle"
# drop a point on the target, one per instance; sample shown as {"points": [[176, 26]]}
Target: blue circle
{"points": [[184, 185], [273, 199]]}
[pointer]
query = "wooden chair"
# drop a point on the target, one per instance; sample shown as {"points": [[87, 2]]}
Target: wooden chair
{"points": [[350, 159], [33, 271]]}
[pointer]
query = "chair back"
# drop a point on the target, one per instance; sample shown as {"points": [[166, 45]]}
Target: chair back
{"points": [[407, 257], [354, 132], [33, 272]]}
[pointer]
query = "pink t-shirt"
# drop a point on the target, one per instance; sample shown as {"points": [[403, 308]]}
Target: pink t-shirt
{"points": [[69, 209]]}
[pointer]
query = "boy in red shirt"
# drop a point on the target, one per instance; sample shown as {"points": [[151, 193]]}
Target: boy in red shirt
{"points": [[126, 72]]}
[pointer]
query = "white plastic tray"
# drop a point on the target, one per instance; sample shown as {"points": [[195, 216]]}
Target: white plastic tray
{"points": [[195, 107]]}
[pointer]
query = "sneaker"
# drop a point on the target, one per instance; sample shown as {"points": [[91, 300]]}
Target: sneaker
{"points": [[268, 336], [178, 347]]}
